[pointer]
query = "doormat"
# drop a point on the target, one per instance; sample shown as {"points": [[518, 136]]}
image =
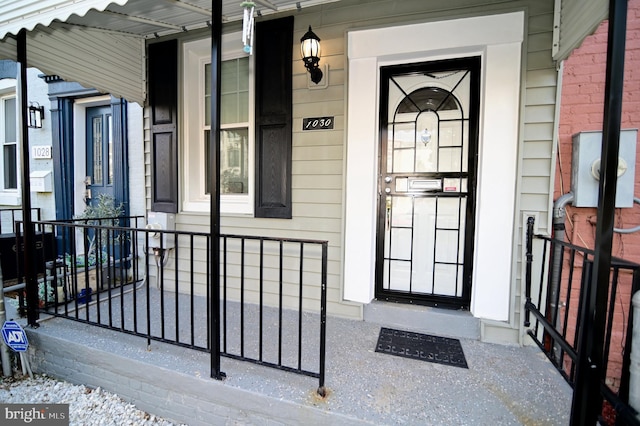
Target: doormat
{"points": [[441, 350]]}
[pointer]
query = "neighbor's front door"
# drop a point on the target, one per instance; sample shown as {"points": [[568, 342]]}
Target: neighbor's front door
{"points": [[100, 176], [427, 179]]}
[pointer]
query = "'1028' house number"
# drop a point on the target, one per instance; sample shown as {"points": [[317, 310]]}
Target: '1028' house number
{"points": [[317, 123]]}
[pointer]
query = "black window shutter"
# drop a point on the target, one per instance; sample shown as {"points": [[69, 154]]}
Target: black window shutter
{"points": [[163, 102], [273, 59]]}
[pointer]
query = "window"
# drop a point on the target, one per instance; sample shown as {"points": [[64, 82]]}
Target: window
{"points": [[9, 142], [236, 118]]}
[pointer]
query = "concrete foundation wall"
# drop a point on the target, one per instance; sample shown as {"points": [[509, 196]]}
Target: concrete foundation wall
{"points": [[176, 396]]}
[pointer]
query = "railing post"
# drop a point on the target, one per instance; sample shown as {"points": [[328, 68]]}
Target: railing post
{"points": [[587, 398], [529, 254], [214, 181], [323, 321], [29, 242], [634, 365]]}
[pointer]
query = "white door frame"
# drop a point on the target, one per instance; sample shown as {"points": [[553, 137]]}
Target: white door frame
{"points": [[498, 40]]}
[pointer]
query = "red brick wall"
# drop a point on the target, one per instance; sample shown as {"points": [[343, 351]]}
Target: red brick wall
{"points": [[582, 107]]}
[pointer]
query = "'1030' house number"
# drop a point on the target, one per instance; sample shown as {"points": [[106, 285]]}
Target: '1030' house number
{"points": [[317, 123]]}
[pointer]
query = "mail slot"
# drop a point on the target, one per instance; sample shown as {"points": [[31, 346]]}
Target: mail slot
{"points": [[425, 184]]}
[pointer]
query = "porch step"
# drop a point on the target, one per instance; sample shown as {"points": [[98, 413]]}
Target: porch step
{"points": [[423, 319]]}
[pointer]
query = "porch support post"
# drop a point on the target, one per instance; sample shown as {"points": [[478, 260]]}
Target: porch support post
{"points": [[214, 160], [587, 400], [28, 237]]}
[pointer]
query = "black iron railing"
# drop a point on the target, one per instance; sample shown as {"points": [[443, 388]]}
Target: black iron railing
{"points": [[8, 218], [283, 336], [558, 299], [156, 284]]}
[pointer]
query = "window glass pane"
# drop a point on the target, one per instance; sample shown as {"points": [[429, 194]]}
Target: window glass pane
{"points": [[110, 148], [207, 94], [10, 120], [234, 161], [234, 91], [10, 170], [97, 150], [229, 73], [207, 146], [243, 107], [243, 74], [229, 109]]}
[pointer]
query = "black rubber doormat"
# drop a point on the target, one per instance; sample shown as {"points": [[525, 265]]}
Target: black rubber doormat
{"points": [[441, 350]]}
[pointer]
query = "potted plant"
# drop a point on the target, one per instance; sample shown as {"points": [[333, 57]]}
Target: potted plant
{"points": [[103, 212]]}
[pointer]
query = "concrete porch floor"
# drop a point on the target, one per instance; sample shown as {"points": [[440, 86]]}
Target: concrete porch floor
{"points": [[504, 385]]}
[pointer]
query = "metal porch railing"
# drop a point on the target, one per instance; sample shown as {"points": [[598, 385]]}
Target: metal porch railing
{"points": [[557, 300], [156, 284]]}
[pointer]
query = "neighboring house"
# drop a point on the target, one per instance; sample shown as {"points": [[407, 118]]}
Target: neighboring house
{"points": [[440, 143], [67, 172], [40, 155], [581, 118], [97, 143], [581, 109]]}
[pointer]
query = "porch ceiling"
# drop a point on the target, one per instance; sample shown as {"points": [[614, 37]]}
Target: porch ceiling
{"points": [[101, 43], [143, 18]]}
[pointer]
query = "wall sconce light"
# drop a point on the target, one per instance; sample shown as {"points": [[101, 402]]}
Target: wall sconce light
{"points": [[36, 115], [310, 49]]}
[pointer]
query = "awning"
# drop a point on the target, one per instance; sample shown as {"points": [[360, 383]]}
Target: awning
{"points": [[18, 14], [574, 20], [101, 43]]}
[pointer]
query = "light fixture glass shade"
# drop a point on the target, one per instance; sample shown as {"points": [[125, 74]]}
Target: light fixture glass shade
{"points": [[310, 51], [36, 115], [310, 48]]}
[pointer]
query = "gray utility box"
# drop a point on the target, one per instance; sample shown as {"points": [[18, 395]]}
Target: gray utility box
{"points": [[585, 168]]}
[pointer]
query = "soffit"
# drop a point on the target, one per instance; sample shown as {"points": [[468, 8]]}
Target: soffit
{"points": [[101, 43], [144, 18], [574, 20], [58, 26]]}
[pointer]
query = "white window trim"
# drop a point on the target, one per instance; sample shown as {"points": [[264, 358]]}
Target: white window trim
{"points": [[501, 52], [9, 197], [195, 55]]}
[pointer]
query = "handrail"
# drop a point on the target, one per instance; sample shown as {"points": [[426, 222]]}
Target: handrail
{"points": [[557, 335], [172, 309]]}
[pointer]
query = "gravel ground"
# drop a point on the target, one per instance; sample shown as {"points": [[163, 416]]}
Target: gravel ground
{"points": [[86, 406]]}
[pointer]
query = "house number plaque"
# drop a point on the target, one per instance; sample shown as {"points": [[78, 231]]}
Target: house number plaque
{"points": [[317, 123]]}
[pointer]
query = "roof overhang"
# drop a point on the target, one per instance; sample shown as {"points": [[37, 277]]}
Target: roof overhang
{"points": [[101, 43], [573, 21]]}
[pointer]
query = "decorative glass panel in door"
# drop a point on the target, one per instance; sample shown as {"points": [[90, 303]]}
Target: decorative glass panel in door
{"points": [[428, 141]]}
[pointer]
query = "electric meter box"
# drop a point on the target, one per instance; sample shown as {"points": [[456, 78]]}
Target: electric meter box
{"points": [[585, 168], [161, 221]]}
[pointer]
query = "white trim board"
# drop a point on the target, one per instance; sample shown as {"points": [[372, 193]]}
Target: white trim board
{"points": [[498, 40]]}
